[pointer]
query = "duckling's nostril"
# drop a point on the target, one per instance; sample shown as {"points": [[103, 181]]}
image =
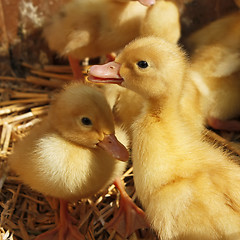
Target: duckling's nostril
{"points": [[112, 67]]}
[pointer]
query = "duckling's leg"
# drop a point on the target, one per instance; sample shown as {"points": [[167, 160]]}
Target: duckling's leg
{"points": [[129, 217], [77, 71], [64, 230], [227, 125], [110, 57]]}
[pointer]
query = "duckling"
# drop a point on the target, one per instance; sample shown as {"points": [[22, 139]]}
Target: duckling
{"points": [[225, 30], [162, 20], [188, 187], [84, 28], [216, 74], [73, 153], [215, 61]]}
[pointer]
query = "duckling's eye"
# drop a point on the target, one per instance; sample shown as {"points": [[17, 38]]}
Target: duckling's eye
{"points": [[86, 121], [142, 64]]}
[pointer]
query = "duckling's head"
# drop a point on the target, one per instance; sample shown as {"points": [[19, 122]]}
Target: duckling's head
{"points": [[82, 115], [149, 66]]}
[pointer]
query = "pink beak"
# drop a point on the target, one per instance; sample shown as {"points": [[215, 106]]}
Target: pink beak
{"points": [[112, 146], [147, 2], [106, 73]]}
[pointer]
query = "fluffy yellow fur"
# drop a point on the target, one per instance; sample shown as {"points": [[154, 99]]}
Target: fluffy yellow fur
{"points": [[91, 28], [225, 30], [189, 188], [216, 67], [162, 20], [59, 157], [126, 106]]}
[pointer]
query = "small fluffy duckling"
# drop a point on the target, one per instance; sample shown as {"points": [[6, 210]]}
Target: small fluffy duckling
{"points": [[224, 30], [216, 74], [162, 20], [73, 153], [188, 187], [92, 28], [215, 62]]}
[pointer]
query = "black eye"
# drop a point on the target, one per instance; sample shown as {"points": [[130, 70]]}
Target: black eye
{"points": [[142, 64], [86, 121]]}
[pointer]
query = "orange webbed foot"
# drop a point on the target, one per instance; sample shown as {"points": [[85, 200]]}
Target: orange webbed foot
{"points": [[129, 217], [76, 69], [64, 230], [227, 125]]}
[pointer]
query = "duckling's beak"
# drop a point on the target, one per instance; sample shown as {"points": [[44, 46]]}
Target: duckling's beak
{"points": [[147, 2], [111, 145], [106, 73]]}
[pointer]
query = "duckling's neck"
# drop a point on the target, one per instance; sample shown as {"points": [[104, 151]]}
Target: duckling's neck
{"points": [[157, 136], [164, 107]]}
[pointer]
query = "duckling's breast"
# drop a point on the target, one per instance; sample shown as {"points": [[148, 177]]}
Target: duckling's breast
{"points": [[58, 168]]}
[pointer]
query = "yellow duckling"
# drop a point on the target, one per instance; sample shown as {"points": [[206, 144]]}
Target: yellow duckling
{"points": [[215, 58], [73, 153], [189, 188], [92, 28], [162, 20], [224, 30]]}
